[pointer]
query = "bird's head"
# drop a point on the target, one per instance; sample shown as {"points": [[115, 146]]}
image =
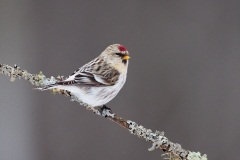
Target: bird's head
{"points": [[117, 56]]}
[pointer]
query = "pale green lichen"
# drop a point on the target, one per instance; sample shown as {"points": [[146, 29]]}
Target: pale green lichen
{"points": [[196, 156], [170, 156], [16, 72]]}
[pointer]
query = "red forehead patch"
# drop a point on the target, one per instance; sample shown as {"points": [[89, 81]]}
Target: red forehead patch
{"points": [[122, 48]]}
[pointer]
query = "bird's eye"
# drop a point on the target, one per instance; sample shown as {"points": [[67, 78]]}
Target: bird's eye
{"points": [[120, 54]]}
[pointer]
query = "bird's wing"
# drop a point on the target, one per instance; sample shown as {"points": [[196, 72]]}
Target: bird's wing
{"points": [[94, 73]]}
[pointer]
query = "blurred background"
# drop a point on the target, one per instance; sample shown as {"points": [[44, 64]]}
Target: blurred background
{"points": [[183, 77]]}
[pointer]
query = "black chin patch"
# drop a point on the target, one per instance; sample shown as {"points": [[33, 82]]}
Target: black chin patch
{"points": [[124, 61]]}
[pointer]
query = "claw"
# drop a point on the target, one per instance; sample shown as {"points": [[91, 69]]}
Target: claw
{"points": [[105, 111]]}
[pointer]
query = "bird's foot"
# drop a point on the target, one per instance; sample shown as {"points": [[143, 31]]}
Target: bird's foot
{"points": [[104, 107], [105, 111]]}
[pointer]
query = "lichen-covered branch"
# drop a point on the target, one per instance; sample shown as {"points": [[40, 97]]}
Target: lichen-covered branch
{"points": [[172, 151]]}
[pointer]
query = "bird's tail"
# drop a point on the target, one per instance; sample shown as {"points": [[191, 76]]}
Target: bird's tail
{"points": [[47, 87]]}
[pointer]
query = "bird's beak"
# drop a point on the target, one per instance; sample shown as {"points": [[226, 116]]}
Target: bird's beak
{"points": [[126, 57]]}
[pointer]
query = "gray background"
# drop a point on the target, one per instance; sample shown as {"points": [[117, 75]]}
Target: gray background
{"points": [[183, 77]]}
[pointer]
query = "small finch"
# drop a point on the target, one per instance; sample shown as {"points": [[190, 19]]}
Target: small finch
{"points": [[99, 81]]}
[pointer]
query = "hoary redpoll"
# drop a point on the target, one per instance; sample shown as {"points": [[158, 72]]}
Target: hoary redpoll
{"points": [[99, 81]]}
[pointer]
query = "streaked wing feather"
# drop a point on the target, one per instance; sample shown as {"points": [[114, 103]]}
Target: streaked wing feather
{"points": [[90, 74], [86, 79]]}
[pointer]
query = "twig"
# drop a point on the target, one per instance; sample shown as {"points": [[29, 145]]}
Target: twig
{"points": [[173, 151]]}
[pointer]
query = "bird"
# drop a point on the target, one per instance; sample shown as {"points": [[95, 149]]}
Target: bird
{"points": [[98, 81]]}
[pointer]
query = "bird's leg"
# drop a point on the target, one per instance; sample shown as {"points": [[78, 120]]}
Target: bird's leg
{"points": [[104, 107], [105, 111]]}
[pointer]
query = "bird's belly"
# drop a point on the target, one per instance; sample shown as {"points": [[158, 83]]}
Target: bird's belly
{"points": [[97, 96]]}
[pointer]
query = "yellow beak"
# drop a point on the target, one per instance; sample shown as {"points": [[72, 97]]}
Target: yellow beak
{"points": [[126, 57]]}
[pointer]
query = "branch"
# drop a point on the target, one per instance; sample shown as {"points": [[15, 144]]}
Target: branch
{"points": [[173, 151]]}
